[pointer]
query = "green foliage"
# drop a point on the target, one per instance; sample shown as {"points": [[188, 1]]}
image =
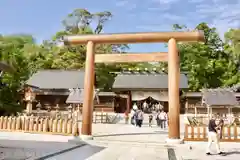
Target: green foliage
{"points": [[208, 64]]}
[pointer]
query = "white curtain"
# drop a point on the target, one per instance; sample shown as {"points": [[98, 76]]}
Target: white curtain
{"points": [[157, 95]]}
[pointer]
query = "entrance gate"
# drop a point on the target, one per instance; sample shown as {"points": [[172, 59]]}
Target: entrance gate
{"points": [[172, 57]]}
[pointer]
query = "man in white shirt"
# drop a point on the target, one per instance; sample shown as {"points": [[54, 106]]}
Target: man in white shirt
{"points": [[145, 106], [135, 107], [162, 118]]}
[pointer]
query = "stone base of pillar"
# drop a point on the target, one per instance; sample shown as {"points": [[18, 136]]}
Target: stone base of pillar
{"points": [[86, 137], [174, 141]]}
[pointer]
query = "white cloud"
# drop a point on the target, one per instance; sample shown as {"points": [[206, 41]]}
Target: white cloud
{"points": [[221, 14], [158, 15], [127, 4], [121, 3], [154, 28], [165, 1]]}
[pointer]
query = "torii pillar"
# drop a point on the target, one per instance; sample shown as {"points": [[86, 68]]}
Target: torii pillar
{"points": [[173, 93], [87, 110], [150, 37]]}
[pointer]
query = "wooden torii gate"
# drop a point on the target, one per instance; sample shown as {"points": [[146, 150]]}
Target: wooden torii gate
{"points": [[172, 57]]}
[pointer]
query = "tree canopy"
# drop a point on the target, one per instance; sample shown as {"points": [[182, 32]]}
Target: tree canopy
{"points": [[212, 64]]}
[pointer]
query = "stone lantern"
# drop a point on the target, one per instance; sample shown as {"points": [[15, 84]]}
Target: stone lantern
{"points": [[57, 109], [29, 98], [70, 111], [49, 108], [38, 106]]}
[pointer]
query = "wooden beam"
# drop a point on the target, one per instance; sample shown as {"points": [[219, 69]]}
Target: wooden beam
{"points": [[131, 57], [147, 37]]}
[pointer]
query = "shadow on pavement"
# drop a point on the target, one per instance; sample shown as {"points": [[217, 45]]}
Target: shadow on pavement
{"points": [[231, 153], [37, 150]]}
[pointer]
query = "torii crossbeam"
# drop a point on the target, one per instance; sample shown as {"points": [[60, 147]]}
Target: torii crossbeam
{"points": [[152, 37]]}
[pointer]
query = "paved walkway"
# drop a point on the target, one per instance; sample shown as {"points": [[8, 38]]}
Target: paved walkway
{"points": [[198, 151], [129, 133], [127, 142], [128, 152]]}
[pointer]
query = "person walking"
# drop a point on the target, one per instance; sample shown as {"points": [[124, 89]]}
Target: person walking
{"points": [[135, 107], [162, 118], [213, 135], [139, 118], [132, 113], [157, 118], [150, 118]]}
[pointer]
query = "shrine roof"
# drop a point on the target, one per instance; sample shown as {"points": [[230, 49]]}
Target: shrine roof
{"points": [[57, 79], [76, 96], [219, 97], [145, 80]]}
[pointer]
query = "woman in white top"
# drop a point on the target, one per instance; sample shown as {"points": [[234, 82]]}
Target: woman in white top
{"points": [[132, 114]]}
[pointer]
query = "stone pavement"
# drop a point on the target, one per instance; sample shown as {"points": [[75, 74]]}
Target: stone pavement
{"points": [[129, 133], [129, 152], [198, 151], [32, 150], [118, 142]]}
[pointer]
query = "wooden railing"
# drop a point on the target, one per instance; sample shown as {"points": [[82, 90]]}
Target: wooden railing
{"points": [[199, 133], [101, 117], [39, 125]]}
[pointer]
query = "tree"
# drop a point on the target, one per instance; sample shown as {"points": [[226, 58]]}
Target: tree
{"points": [[207, 64], [81, 21], [12, 52], [232, 48]]}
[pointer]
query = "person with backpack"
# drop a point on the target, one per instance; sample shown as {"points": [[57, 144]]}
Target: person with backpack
{"points": [[139, 117]]}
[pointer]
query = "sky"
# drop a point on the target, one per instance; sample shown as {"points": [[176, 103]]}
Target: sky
{"points": [[43, 18]]}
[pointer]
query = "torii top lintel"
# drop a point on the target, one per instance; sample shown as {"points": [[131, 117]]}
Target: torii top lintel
{"points": [[145, 37]]}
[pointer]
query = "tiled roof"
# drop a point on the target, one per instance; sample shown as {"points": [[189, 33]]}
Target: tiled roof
{"points": [[219, 97], [146, 81], [57, 79], [76, 96]]}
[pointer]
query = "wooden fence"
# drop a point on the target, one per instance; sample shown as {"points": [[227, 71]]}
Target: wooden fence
{"points": [[39, 125], [199, 133], [101, 117]]}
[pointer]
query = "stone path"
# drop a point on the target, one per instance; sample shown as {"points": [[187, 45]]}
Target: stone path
{"points": [[116, 142], [198, 151], [128, 152], [32, 150]]}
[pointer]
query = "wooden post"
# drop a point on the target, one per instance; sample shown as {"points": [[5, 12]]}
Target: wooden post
{"points": [[173, 87], [195, 111], [88, 92], [186, 107], [129, 102], [208, 112]]}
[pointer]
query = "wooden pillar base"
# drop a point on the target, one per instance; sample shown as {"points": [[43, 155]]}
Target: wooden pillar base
{"points": [[86, 137], [174, 141]]}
